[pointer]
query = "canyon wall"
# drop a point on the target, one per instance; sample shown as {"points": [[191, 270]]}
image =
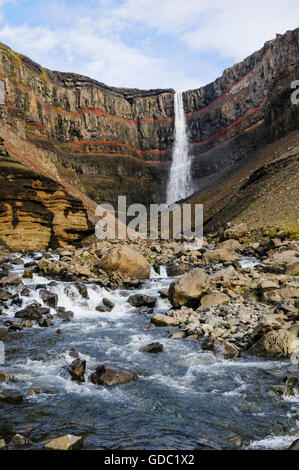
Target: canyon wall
{"points": [[35, 211], [98, 142]]}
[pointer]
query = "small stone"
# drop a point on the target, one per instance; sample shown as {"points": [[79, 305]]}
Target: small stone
{"points": [[10, 396], [164, 320], [152, 348], [20, 441], [67, 442]]}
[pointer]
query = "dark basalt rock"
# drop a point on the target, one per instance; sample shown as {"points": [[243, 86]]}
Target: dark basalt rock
{"points": [[77, 370], [49, 298], [10, 396], [152, 348], [140, 300], [109, 374], [32, 312], [82, 289]]}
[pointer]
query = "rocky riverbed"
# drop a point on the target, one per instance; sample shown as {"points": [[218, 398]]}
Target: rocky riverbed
{"points": [[146, 344]]}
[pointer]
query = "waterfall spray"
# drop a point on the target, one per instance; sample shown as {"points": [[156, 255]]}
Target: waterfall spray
{"points": [[179, 183]]}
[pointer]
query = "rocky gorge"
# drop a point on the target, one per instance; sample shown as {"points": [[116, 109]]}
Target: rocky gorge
{"points": [[143, 343], [114, 314]]}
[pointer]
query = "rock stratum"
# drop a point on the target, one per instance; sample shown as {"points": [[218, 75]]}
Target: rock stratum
{"points": [[98, 142]]}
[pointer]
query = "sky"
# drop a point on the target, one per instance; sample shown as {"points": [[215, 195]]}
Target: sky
{"points": [[180, 44]]}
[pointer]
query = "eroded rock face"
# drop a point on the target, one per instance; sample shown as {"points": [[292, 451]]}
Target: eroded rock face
{"points": [[187, 289], [35, 211], [126, 261], [106, 141], [109, 374]]}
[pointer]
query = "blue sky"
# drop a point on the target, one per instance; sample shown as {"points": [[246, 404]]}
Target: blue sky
{"points": [[180, 44]]}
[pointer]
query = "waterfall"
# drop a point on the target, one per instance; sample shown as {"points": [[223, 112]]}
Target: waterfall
{"points": [[179, 183]]}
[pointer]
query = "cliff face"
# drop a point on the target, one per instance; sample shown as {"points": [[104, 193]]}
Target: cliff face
{"points": [[246, 109], [100, 142], [35, 211]]}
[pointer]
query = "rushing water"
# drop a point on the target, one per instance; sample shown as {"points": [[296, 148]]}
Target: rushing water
{"points": [[185, 398], [179, 183]]}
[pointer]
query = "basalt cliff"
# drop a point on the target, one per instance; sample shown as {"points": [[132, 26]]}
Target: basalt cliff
{"points": [[96, 142]]}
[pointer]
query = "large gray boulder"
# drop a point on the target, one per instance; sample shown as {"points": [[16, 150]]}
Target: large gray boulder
{"points": [[187, 289]]}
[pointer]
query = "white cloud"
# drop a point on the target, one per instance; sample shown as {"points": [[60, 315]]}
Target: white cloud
{"points": [[120, 44], [239, 28]]}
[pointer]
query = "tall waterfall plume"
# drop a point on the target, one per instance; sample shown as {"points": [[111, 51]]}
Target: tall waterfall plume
{"points": [[179, 183]]}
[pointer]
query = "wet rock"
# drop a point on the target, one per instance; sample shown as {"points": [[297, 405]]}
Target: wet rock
{"points": [[10, 396], [110, 305], [45, 323], [187, 289], [67, 316], [164, 320], [73, 353], [291, 386], [214, 299], [67, 442], [145, 311], [32, 312], [109, 374], [82, 289], [3, 444], [28, 274], [25, 292], [140, 300], [5, 295], [220, 348], [127, 261], [102, 308], [10, 280], [49, 298], [178, 335], [77, 370], [236, 232], [294, 445], [20, 441], [152, 348], [16, 300]]}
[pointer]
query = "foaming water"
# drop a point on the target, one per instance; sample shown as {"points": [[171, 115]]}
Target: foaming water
{"points": [[185, 398]]}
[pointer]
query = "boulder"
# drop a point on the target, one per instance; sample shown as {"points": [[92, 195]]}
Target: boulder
{"points": [[48, 297], [286, 262], [220, 348], [164, 320], [229, 245], [213, 299], [126, 261], [20, 441], [236, 232], [10, 280], [140, 300], [110, 305], [82, 289], [277, 344], [109, 374], [32, 312], [294, 445], [10, 396], [67, 442], [152, 348], [187, 289], [5, 295], [77, 370], [219, 255]]}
